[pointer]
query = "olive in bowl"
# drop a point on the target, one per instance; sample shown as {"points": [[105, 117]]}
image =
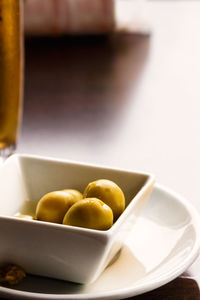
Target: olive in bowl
{"points": [[109, 192], [53, 206], [89, 213]]}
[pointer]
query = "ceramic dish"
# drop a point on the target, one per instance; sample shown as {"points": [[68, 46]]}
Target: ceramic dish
{"points": [[168, 227], [54, 250]]}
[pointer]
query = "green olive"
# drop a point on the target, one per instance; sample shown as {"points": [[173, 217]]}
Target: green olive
{"points": [[75, 193], [109, 192], [53, 206], [89, 213]]}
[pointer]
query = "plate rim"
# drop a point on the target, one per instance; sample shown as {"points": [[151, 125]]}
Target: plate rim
{"points": [[130, 291]]}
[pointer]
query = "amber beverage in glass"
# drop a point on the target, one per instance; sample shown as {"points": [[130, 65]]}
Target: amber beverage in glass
{"points": [[11, 74]]}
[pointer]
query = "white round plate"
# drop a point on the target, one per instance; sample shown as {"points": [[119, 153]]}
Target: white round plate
{"points": [[162, 245]]}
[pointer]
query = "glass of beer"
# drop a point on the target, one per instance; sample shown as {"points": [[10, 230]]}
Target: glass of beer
{"points": [[11, 74]]}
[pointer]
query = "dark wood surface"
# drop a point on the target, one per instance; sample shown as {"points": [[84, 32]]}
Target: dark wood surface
{"points": [[126, 100]]}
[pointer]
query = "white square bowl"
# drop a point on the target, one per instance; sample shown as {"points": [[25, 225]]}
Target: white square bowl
{"points": [[54, 250]]}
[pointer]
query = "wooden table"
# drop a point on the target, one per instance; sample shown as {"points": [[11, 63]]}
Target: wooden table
{"points": [[129, 101]]}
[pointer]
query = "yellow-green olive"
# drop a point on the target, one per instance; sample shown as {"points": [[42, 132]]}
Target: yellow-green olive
{"points": [[89, 213], [53, 206], [109, 192], [75, 193]]}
